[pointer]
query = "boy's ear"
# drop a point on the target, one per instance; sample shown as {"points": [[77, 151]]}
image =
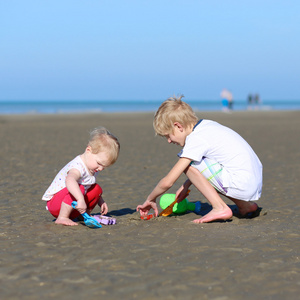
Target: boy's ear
{"points": [[178, 125]]}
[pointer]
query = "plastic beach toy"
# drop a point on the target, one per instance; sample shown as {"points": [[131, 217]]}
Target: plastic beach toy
{"points": [[88, 220], [179, 208], [105, 220], [148, 217]]}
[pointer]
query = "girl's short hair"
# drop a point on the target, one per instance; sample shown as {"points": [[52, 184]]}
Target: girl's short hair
{"points": [[173, 110], [102, 140]]}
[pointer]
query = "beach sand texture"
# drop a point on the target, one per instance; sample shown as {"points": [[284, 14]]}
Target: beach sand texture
{"points": [[166, 257]]}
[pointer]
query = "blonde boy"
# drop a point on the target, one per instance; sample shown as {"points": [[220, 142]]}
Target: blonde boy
{"points": [[214, 158], [77, 180]]}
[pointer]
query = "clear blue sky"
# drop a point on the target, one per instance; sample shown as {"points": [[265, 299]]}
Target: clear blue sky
{"points": [[136, 49]]}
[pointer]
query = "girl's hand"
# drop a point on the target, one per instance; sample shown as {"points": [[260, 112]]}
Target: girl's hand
{"points": [[104, 208], [81, 206], [145, 208]]}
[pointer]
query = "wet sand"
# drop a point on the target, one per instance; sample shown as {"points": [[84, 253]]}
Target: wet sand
{"points": [[163, 258]]}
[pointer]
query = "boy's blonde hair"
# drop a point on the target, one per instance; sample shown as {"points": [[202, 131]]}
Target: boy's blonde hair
{"points": [[102, 140], [173, 110]]}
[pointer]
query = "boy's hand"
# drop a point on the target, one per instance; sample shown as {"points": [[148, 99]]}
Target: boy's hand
{"points": [[182, 193], [145, 208]]}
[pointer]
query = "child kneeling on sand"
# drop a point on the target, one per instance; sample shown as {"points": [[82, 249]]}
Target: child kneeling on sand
{"points": [[215, 159], [77, 180]]}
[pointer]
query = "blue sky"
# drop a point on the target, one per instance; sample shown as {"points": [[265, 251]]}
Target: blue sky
{"points": [[102, 50]]}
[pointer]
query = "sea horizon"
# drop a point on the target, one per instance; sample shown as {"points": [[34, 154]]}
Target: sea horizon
{"points": [[12, 107]]}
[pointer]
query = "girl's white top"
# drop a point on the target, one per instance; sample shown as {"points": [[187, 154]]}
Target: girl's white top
{"points": [[242, 169], [59, 181]]}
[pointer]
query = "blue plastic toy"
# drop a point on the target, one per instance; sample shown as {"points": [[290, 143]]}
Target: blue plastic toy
{"points": [[88, 220]]}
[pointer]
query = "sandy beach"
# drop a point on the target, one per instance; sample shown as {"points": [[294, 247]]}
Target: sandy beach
{"points": [[166, 257]]}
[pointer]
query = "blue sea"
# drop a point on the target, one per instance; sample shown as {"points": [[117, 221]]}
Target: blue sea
{"points": [[88, 106]]}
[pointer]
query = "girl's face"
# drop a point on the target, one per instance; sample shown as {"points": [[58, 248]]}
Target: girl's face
{"points": [[96, 162]]}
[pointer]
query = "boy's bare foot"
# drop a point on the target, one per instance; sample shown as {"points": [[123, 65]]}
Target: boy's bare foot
{"points": [[65, 221], [245, 207], [249, 208], [215, 215]]}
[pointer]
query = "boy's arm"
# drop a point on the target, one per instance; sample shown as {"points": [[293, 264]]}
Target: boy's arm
{"points": [[168, 181], [183, 190], [73, 187], [163, 185]]}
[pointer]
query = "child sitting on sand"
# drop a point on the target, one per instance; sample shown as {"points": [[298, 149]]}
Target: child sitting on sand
{"points": [[215, 159], [77, 180]]}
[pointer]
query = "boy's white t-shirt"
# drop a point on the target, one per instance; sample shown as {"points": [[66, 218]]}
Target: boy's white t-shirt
{"points": [[59, 181], [242, 169]]}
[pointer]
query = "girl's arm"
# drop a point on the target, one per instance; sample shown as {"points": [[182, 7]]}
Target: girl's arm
{"points": [[103, 206], [73, 187]]}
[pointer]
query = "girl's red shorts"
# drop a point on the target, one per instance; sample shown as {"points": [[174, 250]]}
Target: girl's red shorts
{"points": [[91, 198]]}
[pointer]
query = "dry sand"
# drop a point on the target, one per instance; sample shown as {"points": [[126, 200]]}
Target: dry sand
{"points": [[164, 258]]}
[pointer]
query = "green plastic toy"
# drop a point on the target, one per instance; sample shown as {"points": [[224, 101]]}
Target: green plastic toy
{"points": [[179, 208]]}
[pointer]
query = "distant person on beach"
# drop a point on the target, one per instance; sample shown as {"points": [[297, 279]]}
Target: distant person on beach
{"points": [[77, 180], [257, 101], [250, 101], [227, 100], [254, 101], [214, 158]]}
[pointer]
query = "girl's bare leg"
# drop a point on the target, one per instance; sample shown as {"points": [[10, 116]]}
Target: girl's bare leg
{"points": [[64, 214], [220, 209]]}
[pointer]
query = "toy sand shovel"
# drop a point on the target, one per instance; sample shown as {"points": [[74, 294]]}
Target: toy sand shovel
{"points": [[168, 210], [88, 220]]}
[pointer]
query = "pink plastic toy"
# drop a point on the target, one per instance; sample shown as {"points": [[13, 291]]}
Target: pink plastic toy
{"points": [[105, 220]]}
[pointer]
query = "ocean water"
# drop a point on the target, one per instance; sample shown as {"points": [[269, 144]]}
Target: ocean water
{"points": [[86, 106]]}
